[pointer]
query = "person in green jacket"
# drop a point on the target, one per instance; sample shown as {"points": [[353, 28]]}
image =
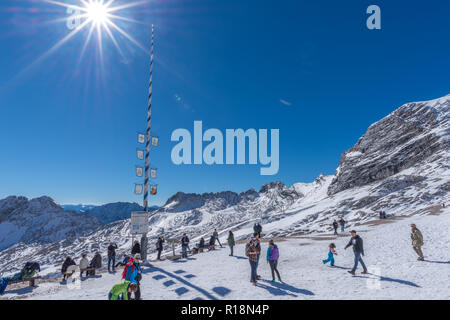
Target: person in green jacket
{"points": [[122, 290], [231, 242]]}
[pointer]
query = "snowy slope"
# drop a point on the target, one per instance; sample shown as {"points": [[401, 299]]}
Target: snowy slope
{"points": [[419, 187], [394, 271]]}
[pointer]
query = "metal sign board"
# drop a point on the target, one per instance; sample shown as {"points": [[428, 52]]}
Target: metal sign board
{"points": [[139, 222]]}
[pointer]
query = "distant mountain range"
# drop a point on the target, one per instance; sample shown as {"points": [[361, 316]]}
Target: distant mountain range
{"points": [[78, 208], [109, 212]]}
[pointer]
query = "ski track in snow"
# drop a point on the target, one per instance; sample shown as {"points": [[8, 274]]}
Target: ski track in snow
{"points": [[215, 275]]}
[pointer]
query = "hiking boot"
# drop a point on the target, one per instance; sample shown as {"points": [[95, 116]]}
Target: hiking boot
{"points": [[351, 272], [364, 272]]}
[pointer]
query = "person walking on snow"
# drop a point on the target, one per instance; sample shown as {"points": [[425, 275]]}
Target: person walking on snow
{"points": [[184, 246], [335, 227], [358, 249], [159, 247], [216, 235], [417, 241], [231, 242], [122, 290], [331, 253], [111, 256], [384, 214], [342, 223], [253, 253], [272, 259]]}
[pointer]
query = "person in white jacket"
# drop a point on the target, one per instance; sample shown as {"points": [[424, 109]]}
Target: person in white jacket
{"points": [[84, 262]]}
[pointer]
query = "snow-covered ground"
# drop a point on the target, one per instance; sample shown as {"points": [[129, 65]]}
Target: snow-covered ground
{"points": [[394, 271]]}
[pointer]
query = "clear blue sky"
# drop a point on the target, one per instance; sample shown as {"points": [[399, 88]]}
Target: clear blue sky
{"points": [[68, 126]]}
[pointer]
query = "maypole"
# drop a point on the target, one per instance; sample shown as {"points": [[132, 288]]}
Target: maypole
{"points": [[149, 116]]}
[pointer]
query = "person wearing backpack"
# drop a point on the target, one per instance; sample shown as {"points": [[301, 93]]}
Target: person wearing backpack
{"points": [[231, 242], [111, 256], [252, 253], [122, 291], [272, 259], [133, 273]]}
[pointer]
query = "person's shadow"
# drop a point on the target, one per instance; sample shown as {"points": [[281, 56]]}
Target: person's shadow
{"points": [[277, 289], [405, 282], [441, 262]]}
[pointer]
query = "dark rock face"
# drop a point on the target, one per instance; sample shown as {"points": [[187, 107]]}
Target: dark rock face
{"points": [[415, 133]]}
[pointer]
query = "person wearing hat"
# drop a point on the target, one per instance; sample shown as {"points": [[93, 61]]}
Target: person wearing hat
{"points": [[357, 243], [133, 273], [417, 241]]}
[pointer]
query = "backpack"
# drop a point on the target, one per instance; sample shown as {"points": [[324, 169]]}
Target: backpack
{"points": [[275, 253], [246, 248]]}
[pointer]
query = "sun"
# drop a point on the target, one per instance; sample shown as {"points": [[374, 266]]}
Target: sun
{"points": [[97, 12], [100, 18]]}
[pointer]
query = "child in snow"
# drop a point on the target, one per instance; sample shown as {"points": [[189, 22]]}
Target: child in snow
{"points": [[331, 254], [122, 291]]}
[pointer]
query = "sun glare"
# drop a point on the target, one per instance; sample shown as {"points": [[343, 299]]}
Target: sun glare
{"points": [[99, 17], [97, 12]]}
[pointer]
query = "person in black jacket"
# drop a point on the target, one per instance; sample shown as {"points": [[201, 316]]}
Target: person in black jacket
{"points": [[212, 243], [257, 228], [136, 248], [111, 256], [96, 263], [335, 227], [184, 246], [68, 262], [358, 249], [201, 244], [159, 247]]}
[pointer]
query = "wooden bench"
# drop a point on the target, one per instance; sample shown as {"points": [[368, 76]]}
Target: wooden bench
{"points": [[69, 274], [31, 281]]}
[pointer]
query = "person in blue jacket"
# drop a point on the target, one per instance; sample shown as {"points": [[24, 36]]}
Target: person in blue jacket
{"points": [[132, 273], [272, 259]]}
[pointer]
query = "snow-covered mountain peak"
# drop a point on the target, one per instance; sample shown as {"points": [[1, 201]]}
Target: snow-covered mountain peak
{"points": [[412, 135]]}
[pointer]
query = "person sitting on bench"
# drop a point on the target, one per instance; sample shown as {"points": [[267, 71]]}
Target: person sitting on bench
{"points": [[68, 262]]}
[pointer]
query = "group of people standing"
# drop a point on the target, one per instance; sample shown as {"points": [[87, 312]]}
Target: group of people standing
{"points": [[253, 252], [336, 225]]}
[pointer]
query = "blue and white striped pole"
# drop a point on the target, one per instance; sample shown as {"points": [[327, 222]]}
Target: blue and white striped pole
{"points": [[149, 116]]}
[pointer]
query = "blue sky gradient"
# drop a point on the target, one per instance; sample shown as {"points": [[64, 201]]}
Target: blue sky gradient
{"points": [[68, 126]]}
